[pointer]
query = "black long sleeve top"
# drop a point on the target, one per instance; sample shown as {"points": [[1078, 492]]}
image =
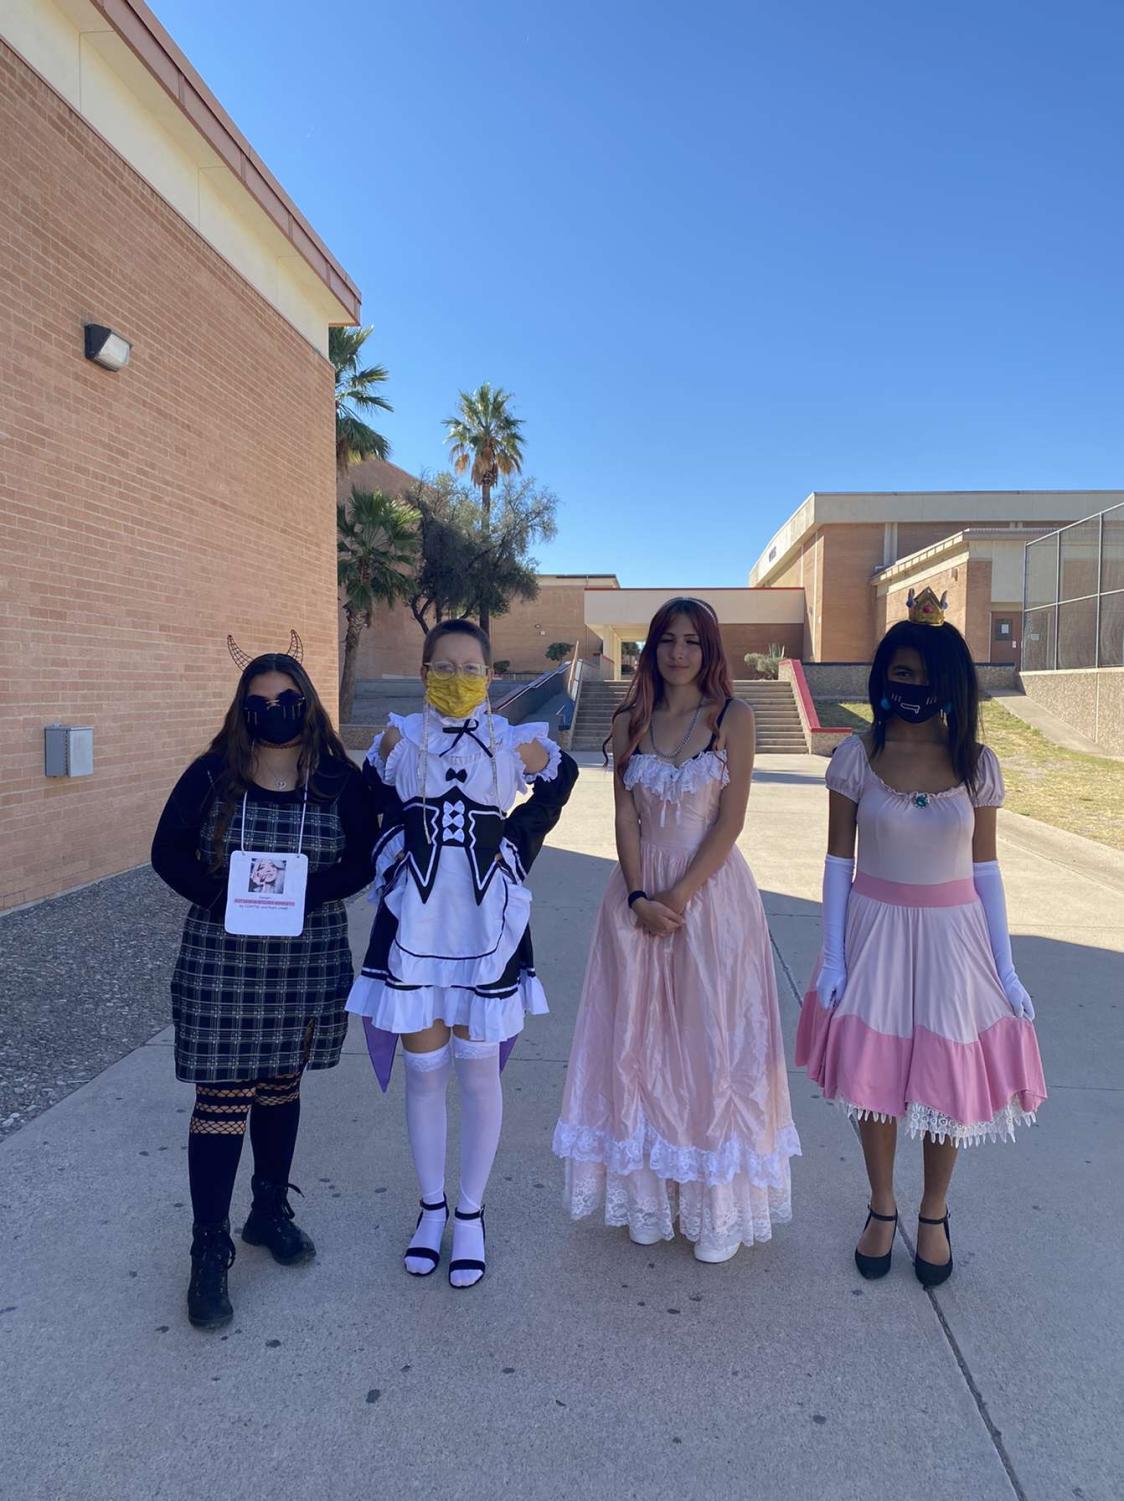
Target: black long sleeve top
{"points": [[176, 855]]}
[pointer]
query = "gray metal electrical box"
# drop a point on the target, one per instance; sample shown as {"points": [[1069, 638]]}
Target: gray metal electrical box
{"points": [[68, 750]]}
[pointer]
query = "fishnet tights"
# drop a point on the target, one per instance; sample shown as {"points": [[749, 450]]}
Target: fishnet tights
{"points": [[218, 1124]]}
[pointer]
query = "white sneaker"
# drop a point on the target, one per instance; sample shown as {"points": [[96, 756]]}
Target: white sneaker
{"points": [[713, 1254], [644, 1237]]}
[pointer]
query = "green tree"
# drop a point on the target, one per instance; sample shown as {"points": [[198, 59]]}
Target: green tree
{"points": [[485, 437], [356, 395], [377, 546], [558, 651], [464, 570]]}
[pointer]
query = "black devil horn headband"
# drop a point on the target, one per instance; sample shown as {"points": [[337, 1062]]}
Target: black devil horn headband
{"points": [[242, 661]]}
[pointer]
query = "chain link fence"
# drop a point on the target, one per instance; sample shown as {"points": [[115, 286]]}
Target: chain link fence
{"points": [[1073, 596]]}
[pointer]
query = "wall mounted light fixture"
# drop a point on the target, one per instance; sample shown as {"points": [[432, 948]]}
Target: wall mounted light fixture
{"points": [[106, 348]]}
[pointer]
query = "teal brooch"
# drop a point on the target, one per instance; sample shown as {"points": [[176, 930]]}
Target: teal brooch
{"points": [[920, 799]]}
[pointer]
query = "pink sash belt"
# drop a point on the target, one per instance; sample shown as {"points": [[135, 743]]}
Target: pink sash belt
{"points": [[908, 894]]}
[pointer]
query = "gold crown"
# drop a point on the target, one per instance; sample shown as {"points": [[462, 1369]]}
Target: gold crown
{"points": [[925, 608]]}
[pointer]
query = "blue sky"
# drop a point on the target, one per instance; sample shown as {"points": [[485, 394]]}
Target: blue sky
{"points": [[722, 254]]}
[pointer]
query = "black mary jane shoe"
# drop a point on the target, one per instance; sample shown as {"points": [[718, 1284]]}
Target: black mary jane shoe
{"points": [[466, 1264], [425, 1253], [929, 1273], [873, 1267], [271, 1224], [212, 1256]]}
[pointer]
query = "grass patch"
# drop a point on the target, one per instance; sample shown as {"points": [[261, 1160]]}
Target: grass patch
{"points": [[1084, 794]]}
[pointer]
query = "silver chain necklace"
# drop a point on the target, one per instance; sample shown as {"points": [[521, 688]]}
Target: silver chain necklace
{"points": [[282, 782], [670, 756]]}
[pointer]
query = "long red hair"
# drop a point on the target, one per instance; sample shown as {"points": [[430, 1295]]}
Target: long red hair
{"points": [[646, 690]]}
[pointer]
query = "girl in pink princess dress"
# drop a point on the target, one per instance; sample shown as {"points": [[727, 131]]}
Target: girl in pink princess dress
{"points": [[916, 1013], [676, 1102]]}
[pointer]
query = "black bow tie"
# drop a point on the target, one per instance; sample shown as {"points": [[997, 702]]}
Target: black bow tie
{"points": [[452, 775], [469, 728]]}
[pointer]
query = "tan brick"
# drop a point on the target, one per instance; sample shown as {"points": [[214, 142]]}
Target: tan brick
{"points": [[144, 514]]}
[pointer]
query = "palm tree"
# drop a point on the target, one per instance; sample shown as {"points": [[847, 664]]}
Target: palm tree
{"points": [[376, 550], [485, 435], [356, 393]]}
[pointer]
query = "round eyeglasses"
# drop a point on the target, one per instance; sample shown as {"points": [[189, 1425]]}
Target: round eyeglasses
{"points": [[451, 670]]}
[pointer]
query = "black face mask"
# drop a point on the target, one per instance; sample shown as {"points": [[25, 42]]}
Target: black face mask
{"points": [[275, 724], [912, 703]]}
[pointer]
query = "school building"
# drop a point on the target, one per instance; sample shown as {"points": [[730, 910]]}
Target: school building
{"points": [[167, 430]]}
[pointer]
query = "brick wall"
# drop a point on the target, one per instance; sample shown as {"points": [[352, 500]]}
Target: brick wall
{"points": [[739, 639], [803, 572], [142, 514], [850, 555], [392, 647], [968, 586]]}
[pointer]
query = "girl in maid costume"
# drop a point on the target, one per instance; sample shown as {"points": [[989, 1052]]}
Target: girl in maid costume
{"points": [[450, 967], [265, 835], [915, 1013]]}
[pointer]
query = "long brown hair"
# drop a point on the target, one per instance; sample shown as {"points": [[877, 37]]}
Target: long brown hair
{"points": [[233, 743], [647, 689]]}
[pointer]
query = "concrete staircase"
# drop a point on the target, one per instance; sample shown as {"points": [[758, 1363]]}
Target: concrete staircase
{"points": [[773, 704]]}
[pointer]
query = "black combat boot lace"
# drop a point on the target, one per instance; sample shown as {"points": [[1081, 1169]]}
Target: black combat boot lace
{"points": [[271, 1200], [212, 1250]]}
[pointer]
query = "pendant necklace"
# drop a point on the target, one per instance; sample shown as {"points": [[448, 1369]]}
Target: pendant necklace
{"points": [[282, 782], [690, 731]]}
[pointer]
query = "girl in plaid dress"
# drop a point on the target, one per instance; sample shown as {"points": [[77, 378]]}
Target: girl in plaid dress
{"points": [[251, 1013]]}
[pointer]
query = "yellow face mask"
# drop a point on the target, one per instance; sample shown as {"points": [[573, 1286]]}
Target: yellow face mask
{"points": [[455, 697]]}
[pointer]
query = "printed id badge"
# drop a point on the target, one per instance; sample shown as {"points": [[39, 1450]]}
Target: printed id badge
{"points": [[265, 890], [265, 894]]}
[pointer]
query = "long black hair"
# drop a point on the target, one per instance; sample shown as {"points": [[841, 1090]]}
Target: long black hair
{"points": [[952, 678], [235, 745]]}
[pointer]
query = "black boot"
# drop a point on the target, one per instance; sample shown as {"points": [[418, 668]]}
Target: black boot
{"points": [[212, 1255], [271, 1224]]}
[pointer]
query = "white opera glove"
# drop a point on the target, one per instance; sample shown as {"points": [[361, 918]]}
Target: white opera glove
{"points": [[989, 888], [832, 978]]}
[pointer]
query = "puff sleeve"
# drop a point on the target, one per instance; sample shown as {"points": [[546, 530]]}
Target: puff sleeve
{"points": [[988, 790], [847, 768]]}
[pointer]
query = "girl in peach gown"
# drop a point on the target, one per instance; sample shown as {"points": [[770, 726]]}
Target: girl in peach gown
{"points": [[676, 1103]]}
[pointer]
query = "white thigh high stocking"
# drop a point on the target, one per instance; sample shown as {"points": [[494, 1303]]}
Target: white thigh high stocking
{"points": [[427, 1082], [478, 1074]]}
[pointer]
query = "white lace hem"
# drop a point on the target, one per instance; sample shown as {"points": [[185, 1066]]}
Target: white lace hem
{"points": [[645, 1148], [671, 783], [524, 734], [388, 771], [718, 1219], [488, 1018], [922, 1120]]}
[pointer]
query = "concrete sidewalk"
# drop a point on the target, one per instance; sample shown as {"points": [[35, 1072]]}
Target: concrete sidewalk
{"points": [[1047, 723], [583, 1363]]}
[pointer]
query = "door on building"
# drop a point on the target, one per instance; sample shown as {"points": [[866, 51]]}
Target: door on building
{"points": [[1006, 634]]}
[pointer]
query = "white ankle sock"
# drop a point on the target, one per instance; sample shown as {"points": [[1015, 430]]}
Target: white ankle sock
{"points": [[427, 1080], [478, 1074]]}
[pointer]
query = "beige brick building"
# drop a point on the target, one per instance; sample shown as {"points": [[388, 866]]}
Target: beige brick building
{"points": [[856, 555], [145, 513]]}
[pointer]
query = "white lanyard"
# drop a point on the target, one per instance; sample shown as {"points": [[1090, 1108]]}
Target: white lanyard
{"points": [[273, 908]]}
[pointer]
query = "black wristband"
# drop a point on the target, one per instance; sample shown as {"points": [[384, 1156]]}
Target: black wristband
{"points": [[635, 896]]}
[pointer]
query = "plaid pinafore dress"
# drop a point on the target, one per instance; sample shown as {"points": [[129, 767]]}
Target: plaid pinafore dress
{"points": [[249, 1008]]}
